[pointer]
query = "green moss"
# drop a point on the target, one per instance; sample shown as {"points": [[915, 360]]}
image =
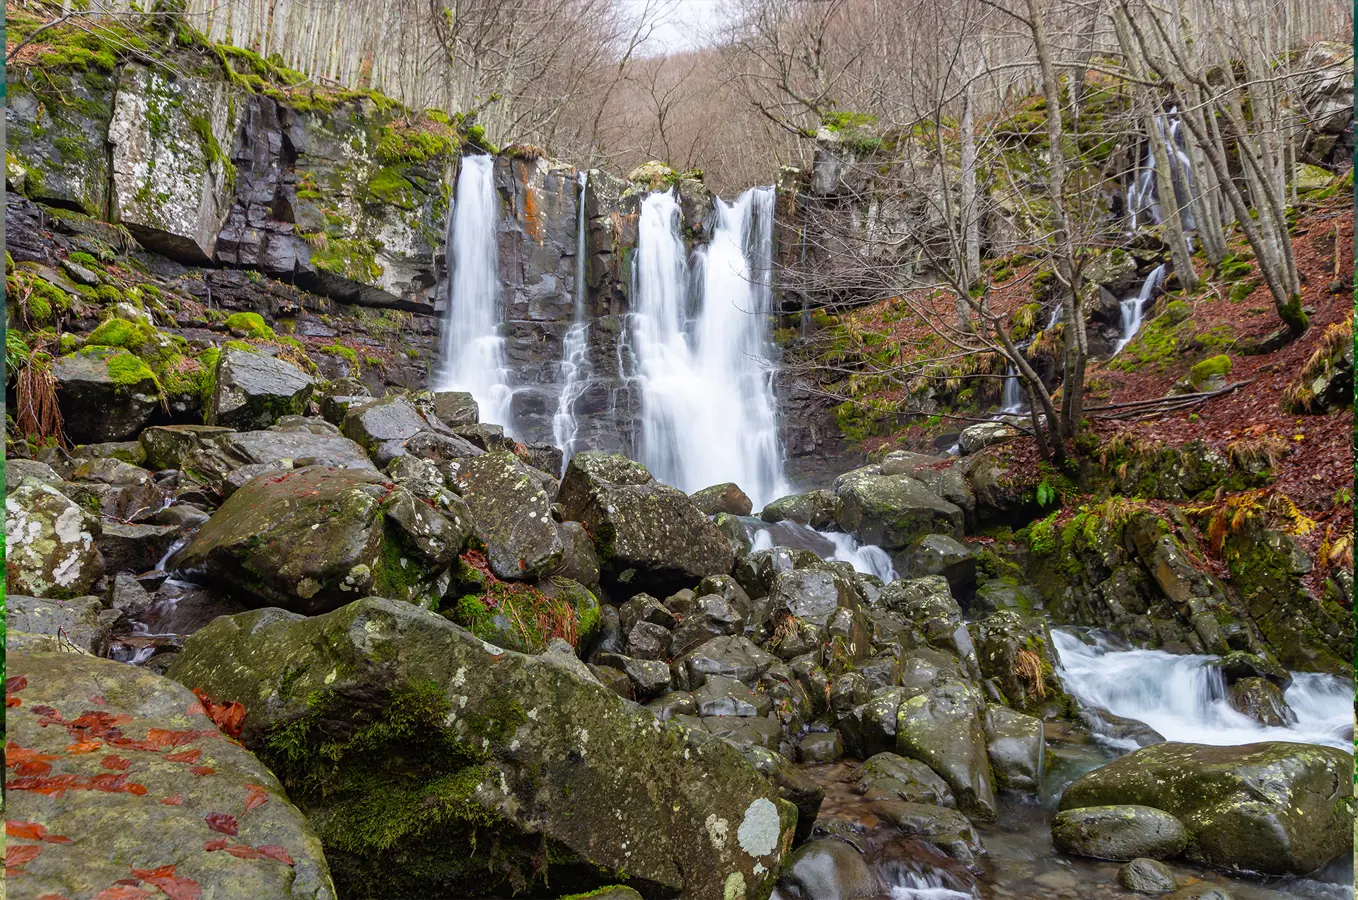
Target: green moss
{"points": [[117, 332], [80, 257], [108, 294], [1241, 290], [126, 370], [1209, 368], [349, 258], [249, 325], [388, 185], [412, 145]]}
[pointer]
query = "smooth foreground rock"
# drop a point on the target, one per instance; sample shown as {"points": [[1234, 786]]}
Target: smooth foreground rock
{"points": [[129, 779], [315, 538], [829, 869], [1118, 832], [1274, 808], [51, 544], [894, 511], [649, 536], [943, 730], [814, 508], [1147, 876], [435, 764], [253, 390]]}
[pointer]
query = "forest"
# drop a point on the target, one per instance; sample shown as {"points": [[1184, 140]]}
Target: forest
{"points": [[794, 449]]}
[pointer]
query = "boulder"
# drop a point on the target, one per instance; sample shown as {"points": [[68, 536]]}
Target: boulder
{"points": [[312, 538], [939, 554], [1017, 653], [888, 776], [51, 544], [722, 498], [1017, 749], [223, 462], [456, 409], [164, 799], [894, 511], [1262, 701], [943, 730], [820, 747], [733, 657], [984, 434], [511, 516], [755, 571], [829, 869], [946, 829], [1274, 808], [104, 394], [648, 536], [1118, 832], [792, 783], [253, 390], [166, 446], [371, 710], [80, 621], [818, 509], [393, 426], [135, 548], [1147, 876], [16, 470], [928, 607]]}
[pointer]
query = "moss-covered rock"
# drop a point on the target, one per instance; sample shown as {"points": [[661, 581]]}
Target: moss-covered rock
{"points": [[435, 764], [942, 729], [1017, 653], [105, 394], [512, 516], [814, 508], [51, 544], [1272, 808], [1118, 832], [252, 389], [894, 511], [154, 792]]}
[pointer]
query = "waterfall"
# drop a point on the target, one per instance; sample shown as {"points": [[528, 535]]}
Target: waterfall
{"points": [[575, 346], [706, 380], [1132, 307], [1184, 699], [830, 545], [1012, 400], [473, 356]]}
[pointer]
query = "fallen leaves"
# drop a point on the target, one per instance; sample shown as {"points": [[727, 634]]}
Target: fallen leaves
{"points": [[163, 737], [202, 770], [255, 795], [223, 823], [58, 785], [172, 885], [188, 756], [245, 851], [33, 831], [229, 716], [121, 892], [80, 747], [116, 763], [173, 800], [16, 855]]}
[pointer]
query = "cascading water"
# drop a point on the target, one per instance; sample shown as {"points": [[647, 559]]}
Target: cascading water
{"points": [[473, 357], [706, 386], [1184, 699], [1133, 307], [833, 545], [575, 346], [1012, 400]]}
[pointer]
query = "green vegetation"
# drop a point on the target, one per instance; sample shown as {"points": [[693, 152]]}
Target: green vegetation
{"points": [[249, 325]]}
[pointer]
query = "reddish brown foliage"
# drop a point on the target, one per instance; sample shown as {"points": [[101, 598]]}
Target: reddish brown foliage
{"points": [[176, 800], [244, 851], [121, 892], [255, 795], [33, 831], [18, 854], [188, 756], [229, 716], [173, 886], [202, 770], [116, 763], [224, 823]]}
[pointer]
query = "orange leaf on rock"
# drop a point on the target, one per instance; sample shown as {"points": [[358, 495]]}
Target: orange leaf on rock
{"points": [[273, 851], [225, 823], [13, 701], [255, 795], [173, 886], [176, 800], [228, 716], [116, 763], [166, 738], [188, 756], [31, 831], [121, 892], [32, 768], [15, 683], [18, 854], [202, 770], [80, 747]]}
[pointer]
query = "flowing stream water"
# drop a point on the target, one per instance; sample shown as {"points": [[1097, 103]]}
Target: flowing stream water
{"points": [[1134, 307], [473, 351], [705, 377], [575, 368]]}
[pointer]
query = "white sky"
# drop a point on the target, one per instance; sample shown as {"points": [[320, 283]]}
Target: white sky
{"points": [[684, 27]]}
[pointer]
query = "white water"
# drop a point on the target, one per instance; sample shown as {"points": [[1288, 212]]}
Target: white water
{"points": [[575, 347], [832, 545], [1184, 699], [473, 357], [706, 380], [1134, 307], [1012, 400], [174, 548]]}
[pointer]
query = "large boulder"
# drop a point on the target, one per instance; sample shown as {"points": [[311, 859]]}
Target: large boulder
{"points": [[81, 622], [51, 544], [649, 536], [104, 394], [1118, 832], [894, 511], [943, 730], [829, 869], [932, 615], [393, 426], [1017, 653], [1273, 808], [225, 461], [121, 786], [722, 498], [814, 508], [435, 764], [511, 516], [939, 554], [165, 446], [252, 389], [312, 539]]}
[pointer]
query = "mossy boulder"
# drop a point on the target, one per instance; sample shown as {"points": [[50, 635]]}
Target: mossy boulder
{"points": [[1272, 808], [51, 544], [830, 869], [1017, 749], [1210, 374], [649, 536], [435, 764], [1118, 832], [81, 621], [105, 394], [311, 539], [154, 792], [252, 389], [511, 515], [814, 508], [1017, 653], [393, 426], [722, 498], [942, 729], [165, 446], [225, 460], [894, 511]]}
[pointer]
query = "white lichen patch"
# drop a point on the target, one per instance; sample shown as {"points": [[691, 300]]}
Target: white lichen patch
{"points": [[735, 887], [759, 830], [717, 830]]}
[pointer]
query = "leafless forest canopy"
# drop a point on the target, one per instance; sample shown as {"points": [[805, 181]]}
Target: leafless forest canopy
{"points": [[585, 80]]}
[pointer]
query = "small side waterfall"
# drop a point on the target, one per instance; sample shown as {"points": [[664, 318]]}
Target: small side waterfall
{"points": [[1012, 400], [575, 347], [1134, 307], [473, 352], [706, 379]]}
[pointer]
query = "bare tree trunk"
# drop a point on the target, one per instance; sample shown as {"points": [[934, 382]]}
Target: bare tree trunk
{"points": [[971, 232]]}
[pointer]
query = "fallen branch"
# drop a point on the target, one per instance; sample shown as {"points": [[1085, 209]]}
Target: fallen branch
{"points": [[1138, 410]]}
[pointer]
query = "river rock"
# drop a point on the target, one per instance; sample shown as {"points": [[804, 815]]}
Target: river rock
{"points": [[80, 621], [889, 776], [16, 470], [817, 509], [722, 498], [946, 829], [1147, 876], [934, 615], [1262, 701], [894, 511], [733, 657], [939, 554], [755, 571], [51, 544], [252, 389], [870, 727], [456, 409], [165, 446], [648, 536], [943, 730], [104, 394], [392, 426], [170, 791], [1275, 808], [793, 785], [1017, 749], [312, 538], [512, 516], [526, 751], [1118, 832], [829, 869], [1238, 665], [984, 434], [1017, 653]]}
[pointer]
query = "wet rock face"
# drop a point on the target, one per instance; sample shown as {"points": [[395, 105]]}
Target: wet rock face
{"points": [[1118, 832], [51, 544], [829, 870], [104, 394], [522, 748], [894, 511], [169, 791], [1274, 808], [943, 730], [512, 516], [254, 390]]}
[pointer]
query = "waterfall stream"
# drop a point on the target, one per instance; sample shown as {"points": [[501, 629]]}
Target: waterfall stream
{"points": [[575, 346], [706, 378], [1134, 307], [473, 351], [1012, 400]]}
